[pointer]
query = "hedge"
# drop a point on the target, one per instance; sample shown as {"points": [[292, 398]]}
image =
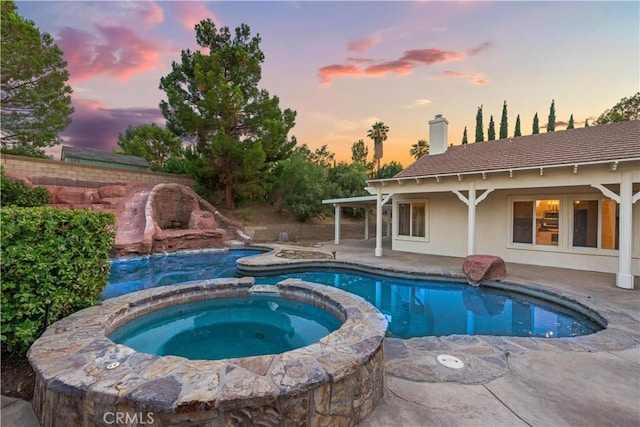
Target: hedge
{"points": [[18, 193], [54, 262]]}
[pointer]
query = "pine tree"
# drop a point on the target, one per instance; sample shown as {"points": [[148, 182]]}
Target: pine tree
{"points": [[516, 132], [155, 144], [551, 124], [536, 125], [464, 136], [491, 133], [503, 122], [214, 98], [35, 100], [479, 128], [571, 125]]}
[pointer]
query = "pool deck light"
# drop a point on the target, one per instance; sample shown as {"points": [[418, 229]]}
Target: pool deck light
{"points": [[450, 361]]}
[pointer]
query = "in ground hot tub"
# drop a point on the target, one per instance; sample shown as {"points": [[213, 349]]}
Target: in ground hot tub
{"points": [[260, 323], [84, 378]]}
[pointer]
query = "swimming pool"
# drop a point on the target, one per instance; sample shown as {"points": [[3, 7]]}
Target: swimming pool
{"points": [[132, 274], [413, 308], [417, 308]]}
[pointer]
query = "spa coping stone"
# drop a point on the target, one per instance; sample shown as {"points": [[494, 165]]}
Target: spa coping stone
{"points": [[82, 376]]}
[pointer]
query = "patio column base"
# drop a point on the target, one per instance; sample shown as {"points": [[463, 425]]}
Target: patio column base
{"points": [[378, 252], [624, 281]]}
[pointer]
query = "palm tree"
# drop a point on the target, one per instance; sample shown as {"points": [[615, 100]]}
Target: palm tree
{"points": [[419, 149], [378, 133]]}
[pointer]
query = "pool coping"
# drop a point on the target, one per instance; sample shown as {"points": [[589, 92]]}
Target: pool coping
{"points": [[486, 357]]}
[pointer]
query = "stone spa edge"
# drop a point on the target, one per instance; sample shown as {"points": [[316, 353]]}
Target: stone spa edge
{"points": [[85, 379]]}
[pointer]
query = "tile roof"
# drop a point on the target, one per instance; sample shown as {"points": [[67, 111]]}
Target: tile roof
{"points": [[614, 141], [102, 156]]}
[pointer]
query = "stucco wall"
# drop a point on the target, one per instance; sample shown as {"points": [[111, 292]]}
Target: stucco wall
{"points": [[55, 172], [447, 230], [447, 226]]}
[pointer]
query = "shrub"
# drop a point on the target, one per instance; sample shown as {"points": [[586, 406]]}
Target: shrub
{"points": [[18, 193], [25, 151], [299, 188], [54, 262]]}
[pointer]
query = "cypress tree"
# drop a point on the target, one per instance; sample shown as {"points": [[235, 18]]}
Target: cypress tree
{"points": [[571, 125], [503, 122], [551, 124], [491, 133], [464, 136], [586, 123], [479, 128], [536, 125], [517, 132]]}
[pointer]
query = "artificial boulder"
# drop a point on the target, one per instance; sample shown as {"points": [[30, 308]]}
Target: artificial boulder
{"points": [[202, 220], [477, 268], [171, 217]]}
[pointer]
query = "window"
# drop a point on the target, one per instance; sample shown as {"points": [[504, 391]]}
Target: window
{"points": [[547, 217], [536, 222], [523, 222], [417, 219], [412, 219], [404, 219], [586, 220]]}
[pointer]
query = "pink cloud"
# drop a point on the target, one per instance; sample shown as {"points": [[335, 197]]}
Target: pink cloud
{"points": [[191, 13], [400, 66], [326, 73], [363, 44], [476, 78], [432, 56], [150, 13], [114, 51], [403, 65], [479, 49]]}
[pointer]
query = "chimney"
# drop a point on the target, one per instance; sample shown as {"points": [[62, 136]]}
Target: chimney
{"points": [[438, 135]]}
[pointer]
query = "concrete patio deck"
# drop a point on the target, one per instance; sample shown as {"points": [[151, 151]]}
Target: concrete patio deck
{"points": [[584, 381], [541, 387]]}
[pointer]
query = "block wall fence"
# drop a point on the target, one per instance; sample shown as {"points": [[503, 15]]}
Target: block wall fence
{"points": [[55, 172]]}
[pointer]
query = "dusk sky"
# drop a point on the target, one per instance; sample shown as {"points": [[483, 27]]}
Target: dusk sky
{"points": [[345, 65]]}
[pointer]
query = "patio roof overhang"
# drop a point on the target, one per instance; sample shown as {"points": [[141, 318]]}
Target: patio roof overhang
{"points": [[508, 172], [353, 202]]}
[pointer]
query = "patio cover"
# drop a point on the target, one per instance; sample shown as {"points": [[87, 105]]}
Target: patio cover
{"points": [[365, 202]]}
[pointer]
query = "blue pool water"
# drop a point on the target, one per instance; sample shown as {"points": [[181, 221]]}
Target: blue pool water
{"points": [[227, 328], [137, 273], [412, 307], [427, 308]]}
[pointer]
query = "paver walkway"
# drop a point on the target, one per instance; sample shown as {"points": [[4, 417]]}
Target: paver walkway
{"points": [[571, 382]]}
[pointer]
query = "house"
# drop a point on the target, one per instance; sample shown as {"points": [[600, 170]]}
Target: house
{"points": [[562, 199], [88, 156]]}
